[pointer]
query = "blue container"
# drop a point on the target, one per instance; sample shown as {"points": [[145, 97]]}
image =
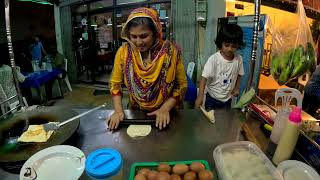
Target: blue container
{"points": [[103, 163]]}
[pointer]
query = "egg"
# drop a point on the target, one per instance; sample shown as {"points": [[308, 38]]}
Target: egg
{"points": [[164, 168], [190, 176], [196, 167], [163, 176], [144, 171], [205, 175], [152, 175], [175, 177], [140, 177], [180, 169]]}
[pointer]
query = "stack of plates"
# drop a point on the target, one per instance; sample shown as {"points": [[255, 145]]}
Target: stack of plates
{"points": [[296, 170]]}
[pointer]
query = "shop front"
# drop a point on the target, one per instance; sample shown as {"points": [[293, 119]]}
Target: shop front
{"points": [[96, 28]]}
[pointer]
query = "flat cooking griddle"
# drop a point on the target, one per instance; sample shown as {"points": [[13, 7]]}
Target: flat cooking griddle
{"points": [[11, 128]]}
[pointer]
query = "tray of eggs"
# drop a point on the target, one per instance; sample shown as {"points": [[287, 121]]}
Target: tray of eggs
{"points": [[174, 170]]}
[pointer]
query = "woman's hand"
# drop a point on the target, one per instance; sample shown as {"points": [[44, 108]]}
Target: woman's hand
{"points": [[114, 120], [162, 117]]}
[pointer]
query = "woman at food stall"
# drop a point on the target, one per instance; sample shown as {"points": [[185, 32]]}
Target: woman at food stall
{"points": [[151, 68]]}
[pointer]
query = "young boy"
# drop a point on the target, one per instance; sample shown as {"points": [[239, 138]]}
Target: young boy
{"points": [[223, 70]]}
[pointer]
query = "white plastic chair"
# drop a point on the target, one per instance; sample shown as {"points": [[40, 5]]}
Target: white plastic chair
{"points": [[3, 97], [286, 95], [66, 79], [190, 69]]}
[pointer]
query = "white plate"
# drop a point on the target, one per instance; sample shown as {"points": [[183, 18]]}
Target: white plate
{"points": [[292, 170], [56, 162]]}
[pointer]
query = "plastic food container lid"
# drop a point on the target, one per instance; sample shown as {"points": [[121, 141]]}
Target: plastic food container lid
{"points": [[103, 163]]}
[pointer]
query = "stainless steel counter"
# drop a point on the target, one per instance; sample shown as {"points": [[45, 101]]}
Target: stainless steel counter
{"points": [[190, 136]]}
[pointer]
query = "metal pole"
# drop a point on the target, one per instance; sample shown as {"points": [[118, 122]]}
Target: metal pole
{"points": [[256, 21], [11, 54]]}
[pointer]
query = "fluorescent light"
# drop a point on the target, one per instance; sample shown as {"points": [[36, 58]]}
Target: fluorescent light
{"points": [[37, 1]]}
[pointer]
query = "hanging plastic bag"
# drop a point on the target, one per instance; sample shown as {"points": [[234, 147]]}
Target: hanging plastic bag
{"points": [[293, 51]]}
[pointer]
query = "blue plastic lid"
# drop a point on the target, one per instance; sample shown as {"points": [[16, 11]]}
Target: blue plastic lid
{"points": [[103, 163]]}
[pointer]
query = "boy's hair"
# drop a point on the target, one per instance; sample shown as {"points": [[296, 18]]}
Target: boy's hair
{"points": [[230, 33]]}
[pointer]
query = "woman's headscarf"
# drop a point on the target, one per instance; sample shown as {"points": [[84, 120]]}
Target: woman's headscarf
{"points": [[143, 12]]}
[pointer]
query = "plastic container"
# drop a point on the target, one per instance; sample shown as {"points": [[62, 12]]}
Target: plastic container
{"points": [[289, 137], [243, 160], [105, 163], [35, 66], [153, 166], [44, 66], [49, 66]]}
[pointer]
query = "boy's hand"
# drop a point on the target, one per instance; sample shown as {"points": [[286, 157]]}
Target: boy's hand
{"points": [[235, 92], [198, 102]]}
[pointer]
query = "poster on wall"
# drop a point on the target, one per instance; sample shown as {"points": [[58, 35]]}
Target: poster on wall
{"points": [[104, 31]]}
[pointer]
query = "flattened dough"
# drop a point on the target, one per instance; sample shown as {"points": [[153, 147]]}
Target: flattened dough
{"points": [[35, 133], [209, 114], [138, 130]]}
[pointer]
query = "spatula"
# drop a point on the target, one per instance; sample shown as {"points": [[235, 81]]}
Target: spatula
{"points": [[56, 125]]}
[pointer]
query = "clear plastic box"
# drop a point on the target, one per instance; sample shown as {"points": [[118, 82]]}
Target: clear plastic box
{"points": [[243, 160]]}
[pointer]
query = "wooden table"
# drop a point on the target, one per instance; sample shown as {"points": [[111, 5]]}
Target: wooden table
{"points": [[268, 83]]}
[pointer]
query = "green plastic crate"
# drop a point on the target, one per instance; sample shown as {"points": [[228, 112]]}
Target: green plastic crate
{"points": [[135, 167]]}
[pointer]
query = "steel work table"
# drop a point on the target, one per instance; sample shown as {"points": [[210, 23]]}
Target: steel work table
{"points": [[190, 136]]}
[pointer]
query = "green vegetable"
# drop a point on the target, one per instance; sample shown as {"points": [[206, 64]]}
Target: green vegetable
{"points": [[311, 57], [245, 99], [275, 68], [300, 68], [298, 53], [299, 62]]}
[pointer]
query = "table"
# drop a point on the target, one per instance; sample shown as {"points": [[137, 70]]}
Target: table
{"points": [[190, 136], [37, 79], [268, 83]]}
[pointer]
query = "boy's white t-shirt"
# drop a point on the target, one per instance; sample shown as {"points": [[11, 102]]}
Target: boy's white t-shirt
{"points": [[221, 75]]}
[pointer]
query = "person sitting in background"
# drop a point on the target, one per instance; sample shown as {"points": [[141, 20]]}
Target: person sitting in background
{"points": [[7, 81], [57, 61], [151, 69], [311, 98], [223, 70]]}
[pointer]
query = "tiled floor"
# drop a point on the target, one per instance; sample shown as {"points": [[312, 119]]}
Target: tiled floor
{"points": [[82, 96]]}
